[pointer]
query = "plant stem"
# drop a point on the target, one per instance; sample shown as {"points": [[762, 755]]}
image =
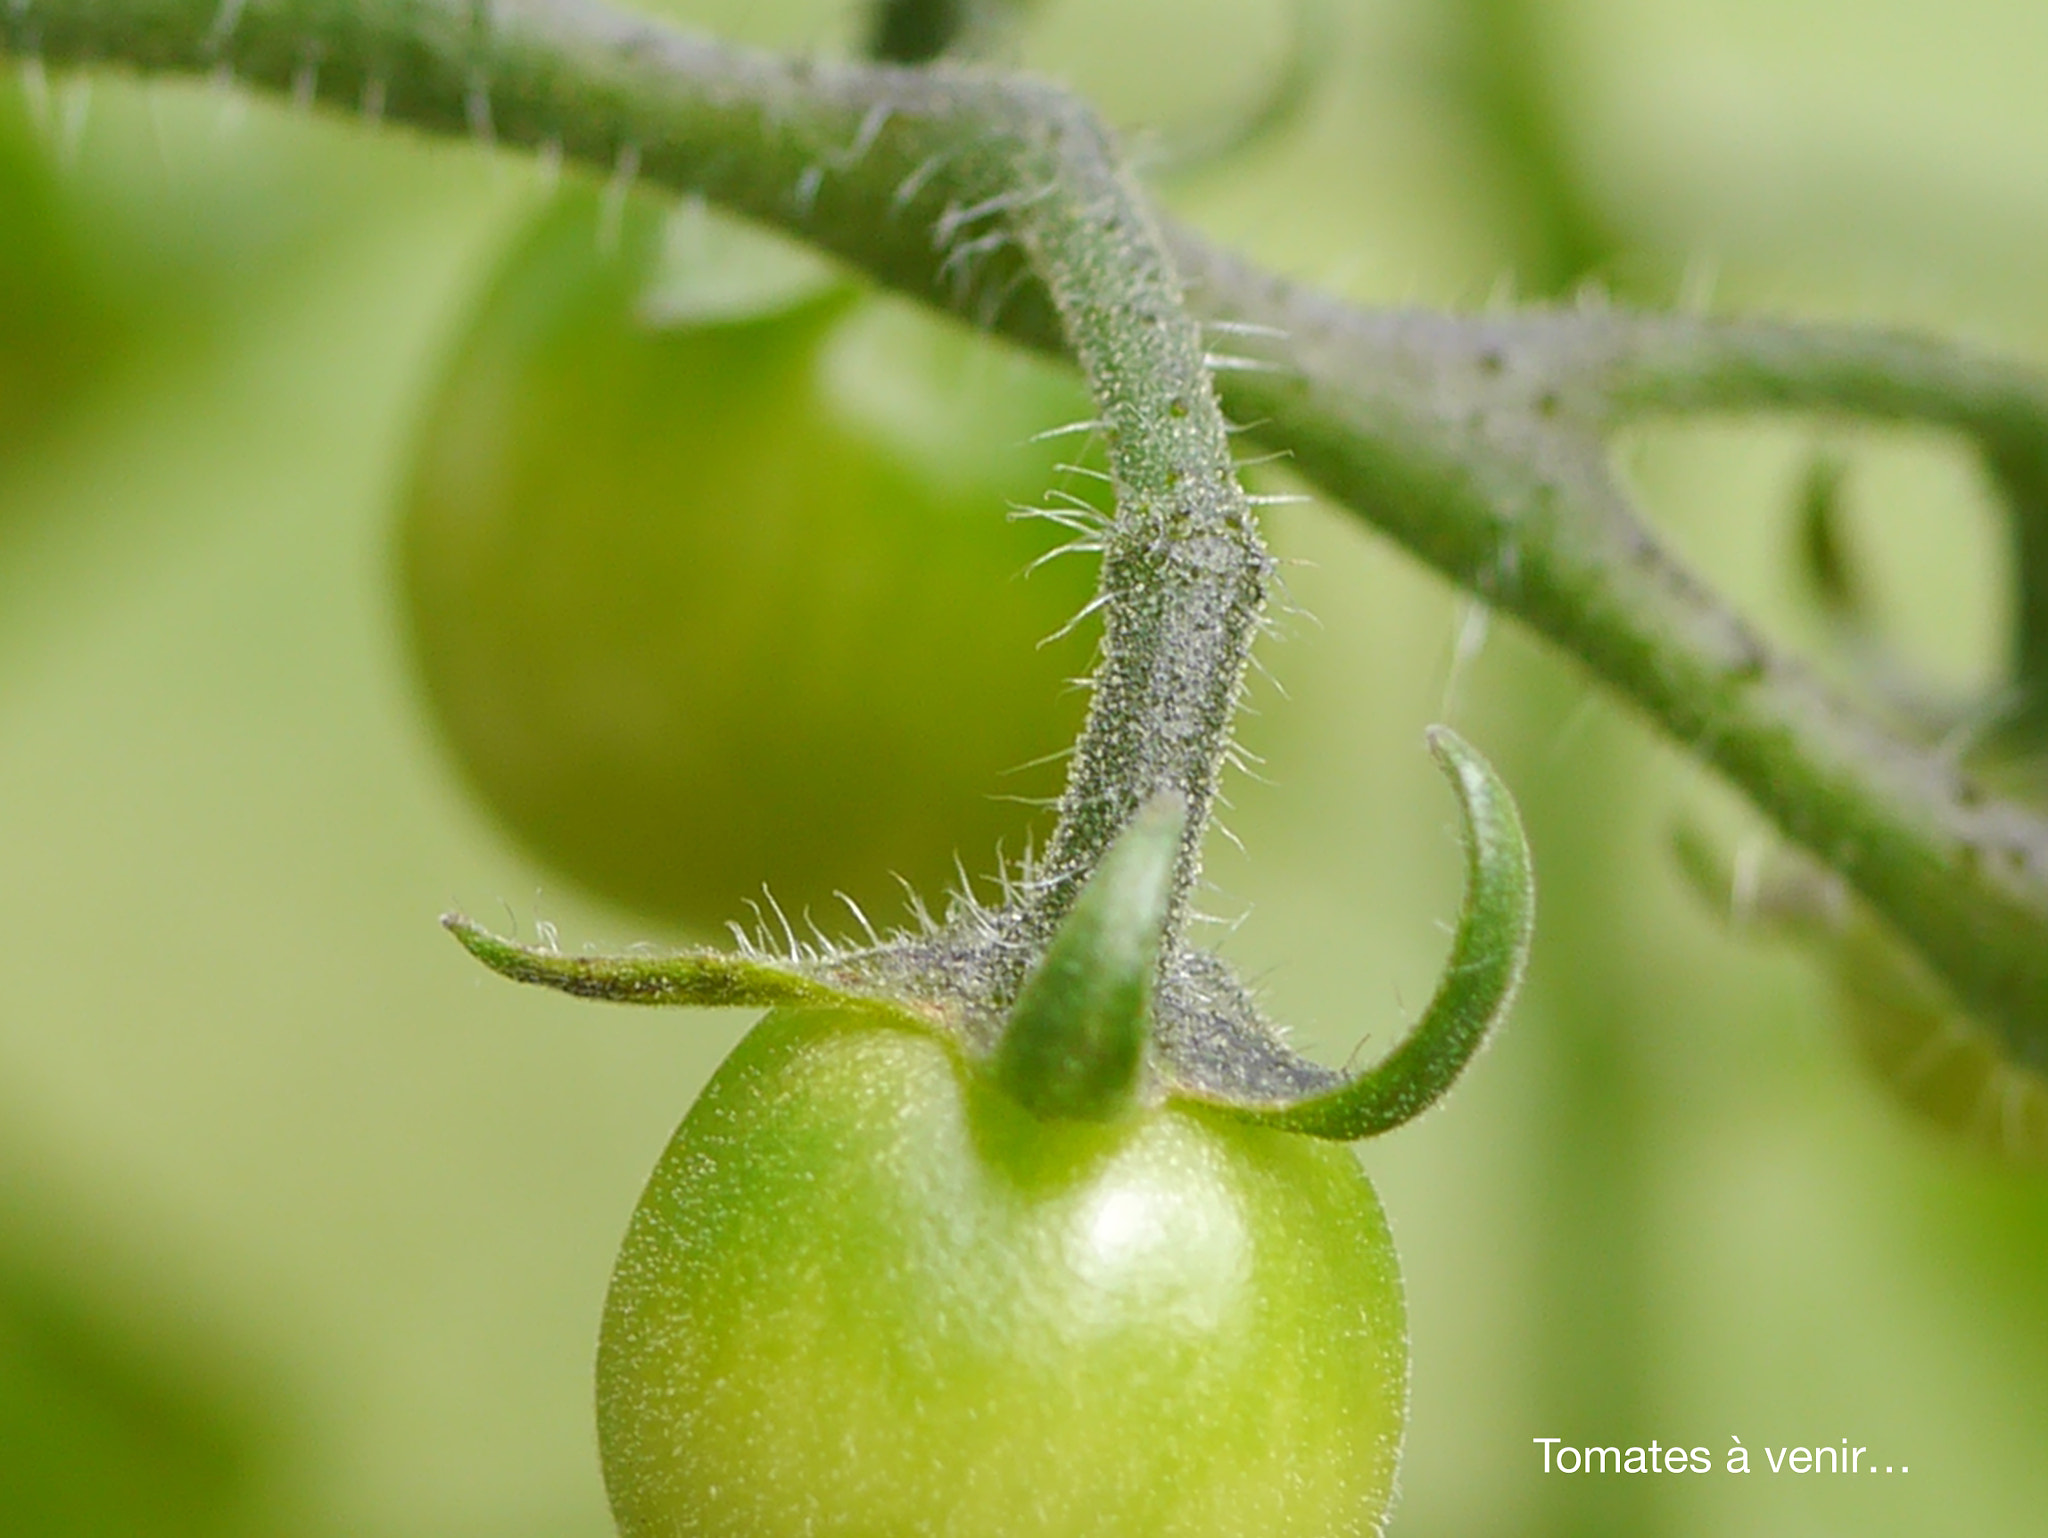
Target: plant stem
{"points": [[1477, 443], [915, 31], [959, 184], [1648, 366]]}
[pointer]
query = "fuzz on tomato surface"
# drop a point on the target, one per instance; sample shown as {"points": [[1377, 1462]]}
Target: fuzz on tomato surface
{"points": [[866, 1293]]}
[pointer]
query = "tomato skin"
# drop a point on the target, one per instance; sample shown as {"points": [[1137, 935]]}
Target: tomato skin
{"points": [[866, 1293], [708, 606]]}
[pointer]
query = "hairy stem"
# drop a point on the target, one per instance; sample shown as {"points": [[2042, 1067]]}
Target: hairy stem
{"points": [[1674, 364], [964, 185], [1477, 443]]}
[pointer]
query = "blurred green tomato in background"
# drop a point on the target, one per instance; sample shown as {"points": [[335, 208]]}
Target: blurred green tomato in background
{"points": [[114, 1422], [56, 324], [710, 578]]}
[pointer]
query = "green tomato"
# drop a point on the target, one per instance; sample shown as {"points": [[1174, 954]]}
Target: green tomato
{"points": [[867, 1293], [725, 599]]}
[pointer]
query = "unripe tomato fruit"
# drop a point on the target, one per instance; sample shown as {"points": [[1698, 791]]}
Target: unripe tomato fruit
{"points": [[714, 603], [865, 1293]]}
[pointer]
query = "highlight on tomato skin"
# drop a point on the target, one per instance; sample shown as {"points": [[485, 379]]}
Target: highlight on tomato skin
{"points": [[866, 1292], [713, 581]]}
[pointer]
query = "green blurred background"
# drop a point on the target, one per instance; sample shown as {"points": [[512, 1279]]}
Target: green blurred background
{"points": [[305, 1222]]}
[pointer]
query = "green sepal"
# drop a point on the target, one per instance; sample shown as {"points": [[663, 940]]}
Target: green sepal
{"points": [[1073, 1045], [1488, 956], [706, 979]]}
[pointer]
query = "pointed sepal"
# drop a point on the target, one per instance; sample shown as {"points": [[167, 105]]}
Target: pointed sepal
{"points": [[1488, 955], [1074, 1043], [706, 979]]}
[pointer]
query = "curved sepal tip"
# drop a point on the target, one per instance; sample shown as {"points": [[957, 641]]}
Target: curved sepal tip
{"points": [[1488, 956]]}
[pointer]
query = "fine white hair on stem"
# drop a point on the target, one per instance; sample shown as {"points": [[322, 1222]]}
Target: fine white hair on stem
{"points": [[1054, 757], [962, 259], [1092, 606], [1248, 328], [953, 221], [1473, 626], [920, 176], [612, 207], [1073, 520], [222, 31], [827, 948], [1085, 425], [1252, 462], [859, 917], [1235, 363], [920, 915], [1079, 504], [796, 949], [740, 932], [75, 106], [871, 125], [1086, 545], [804, 196], [476, 108]]}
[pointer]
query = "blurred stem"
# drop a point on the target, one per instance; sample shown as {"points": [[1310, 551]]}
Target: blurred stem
{"points": [[1590, 1280], [919, 31], [1502, 81], [2019, 464], [1648, 367], [1479, 443], [915, 31]]}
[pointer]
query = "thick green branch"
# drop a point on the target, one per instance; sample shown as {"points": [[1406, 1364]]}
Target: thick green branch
{"points": [[1678, 365], [961, 186], [1477, 443]]}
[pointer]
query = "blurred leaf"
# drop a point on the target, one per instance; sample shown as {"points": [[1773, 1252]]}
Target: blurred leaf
{"points": [[110, 1426]]}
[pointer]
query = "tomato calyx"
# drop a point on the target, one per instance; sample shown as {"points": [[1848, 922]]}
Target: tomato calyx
{"points": [[1073, 1045], [1113, 1011]]}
